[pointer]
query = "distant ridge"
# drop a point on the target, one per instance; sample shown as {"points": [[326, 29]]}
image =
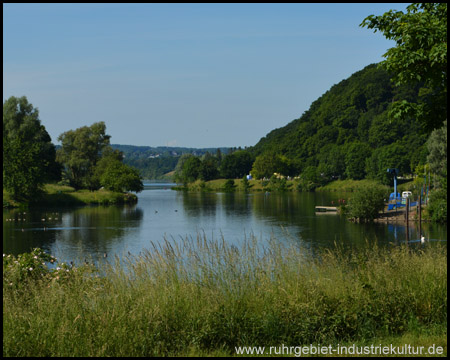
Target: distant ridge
{"points": [[160, 161]]}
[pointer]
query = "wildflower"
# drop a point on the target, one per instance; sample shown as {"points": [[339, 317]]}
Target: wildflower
{"points": [[35, 257], [31, 269], [58, 268]]}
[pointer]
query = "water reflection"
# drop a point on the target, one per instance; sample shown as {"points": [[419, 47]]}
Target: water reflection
{"points": [[73, 234]]}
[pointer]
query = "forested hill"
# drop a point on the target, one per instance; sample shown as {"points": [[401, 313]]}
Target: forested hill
{"points": [[347, 131], [155, 162]]}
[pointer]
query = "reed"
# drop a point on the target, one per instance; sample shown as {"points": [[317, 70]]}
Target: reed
{"points": [[199, 296]]}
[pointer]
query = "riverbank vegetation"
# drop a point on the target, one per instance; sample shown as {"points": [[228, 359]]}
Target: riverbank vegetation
{"points": [[64, 195], [201, 296], [85, 162]]}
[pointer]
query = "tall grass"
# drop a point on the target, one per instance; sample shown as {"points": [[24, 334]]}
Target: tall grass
{"points": [[200, 296], [350, 185]]}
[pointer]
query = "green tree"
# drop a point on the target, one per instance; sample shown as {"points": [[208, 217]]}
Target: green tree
{"points": [[109, 155], [208, 168], [367, 202], [229, 186], [420, 56], [437, 207], [246, 184], [331, 163], [28, 154], [80, 151], [268, 163], [120, 177], [308, 179], [437, 147], [437, 159], [111, 173], [391, 156], [188, 169], [178, 172], [236, 164], [355, 160]]}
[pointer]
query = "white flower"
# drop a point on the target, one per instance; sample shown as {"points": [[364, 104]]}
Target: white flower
{"points": [[35, 257], [31, 269], [58, 268]]}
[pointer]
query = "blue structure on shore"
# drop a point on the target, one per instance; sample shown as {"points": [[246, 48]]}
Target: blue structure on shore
{"points": [[395, 195]]}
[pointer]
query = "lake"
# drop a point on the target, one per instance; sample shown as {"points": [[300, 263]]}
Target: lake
{"points": [[74, 234]]}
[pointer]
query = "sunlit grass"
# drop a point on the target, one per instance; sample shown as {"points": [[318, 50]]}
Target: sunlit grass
{"points": [[59, 195], [349, 185], [199, 297]]}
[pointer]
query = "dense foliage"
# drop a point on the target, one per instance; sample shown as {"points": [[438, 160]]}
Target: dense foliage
{"points": [[80, 151], [28, 154], [90, 162], [111, 173], [420, 55], [348, 130], [366, 202]]}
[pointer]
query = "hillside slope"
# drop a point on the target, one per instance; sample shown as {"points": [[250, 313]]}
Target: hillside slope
{"points": [[347, 133]]}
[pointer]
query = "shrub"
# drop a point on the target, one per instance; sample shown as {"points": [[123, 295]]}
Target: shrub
{"points": [[366, 203], [33, 266], [119, 177], [229, 186], [437, 207]]}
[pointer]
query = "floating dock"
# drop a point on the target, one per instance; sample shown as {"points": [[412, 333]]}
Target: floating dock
{"points": [[323, 209]]}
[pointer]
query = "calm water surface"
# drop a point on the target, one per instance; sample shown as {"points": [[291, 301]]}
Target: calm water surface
{"points": [[161, 213]]}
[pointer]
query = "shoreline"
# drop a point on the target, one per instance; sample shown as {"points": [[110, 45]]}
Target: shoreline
{"points": [[61, 195]]}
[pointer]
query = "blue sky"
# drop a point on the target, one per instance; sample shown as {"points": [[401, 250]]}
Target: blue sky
{"points": [[191, 75]]}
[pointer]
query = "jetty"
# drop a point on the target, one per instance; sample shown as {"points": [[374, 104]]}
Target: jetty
{"points": [[323, 209]]}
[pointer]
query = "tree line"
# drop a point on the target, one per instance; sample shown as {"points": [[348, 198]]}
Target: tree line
{"points": [[85, 159]]}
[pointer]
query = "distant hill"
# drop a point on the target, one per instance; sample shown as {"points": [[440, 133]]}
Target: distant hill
{"points": [[347, 132], [156, 162]]}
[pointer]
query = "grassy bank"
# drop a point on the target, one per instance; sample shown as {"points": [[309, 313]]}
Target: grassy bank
{"points": [[349, 185], [219, 185], [201, 297], [60, 195], [291, 185]]}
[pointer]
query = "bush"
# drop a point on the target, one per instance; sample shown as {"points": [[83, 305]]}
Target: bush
{"points": [[229, 186], [277, 184], [437, 207], [119, 177], [19, 271], [246, 184], [366, 203]]}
